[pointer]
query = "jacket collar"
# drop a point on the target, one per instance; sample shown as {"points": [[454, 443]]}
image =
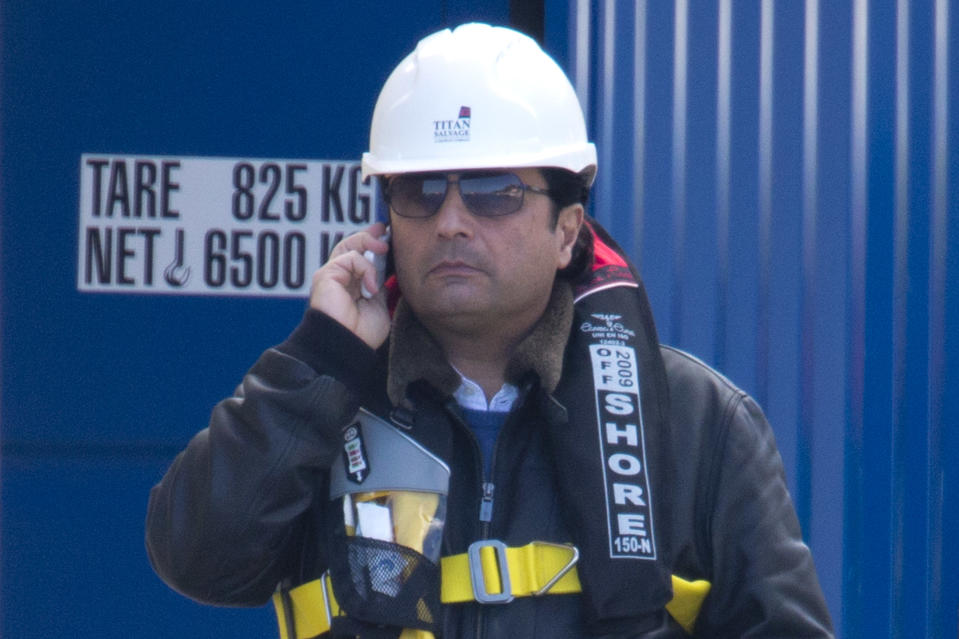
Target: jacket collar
{"points": [[415, 355]]}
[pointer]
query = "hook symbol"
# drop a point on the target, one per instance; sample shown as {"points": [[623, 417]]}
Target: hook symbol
{"points": [[175, 273]]}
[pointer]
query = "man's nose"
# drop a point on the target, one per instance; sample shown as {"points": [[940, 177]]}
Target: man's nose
{"points": [[453, 218]]}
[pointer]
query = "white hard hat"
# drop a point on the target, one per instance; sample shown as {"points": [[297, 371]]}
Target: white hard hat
{"points": [[478, 97]]}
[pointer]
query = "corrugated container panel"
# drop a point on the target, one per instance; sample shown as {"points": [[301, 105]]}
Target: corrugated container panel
{"points": [[784, 173]]}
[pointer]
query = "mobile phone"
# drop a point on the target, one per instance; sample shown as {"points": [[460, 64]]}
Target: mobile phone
{"points": [[378, 261]]}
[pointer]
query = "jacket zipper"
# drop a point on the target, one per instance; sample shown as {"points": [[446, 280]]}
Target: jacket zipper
{"points": [[486, 505], [486, 519], [486, 498], [488, 488]]}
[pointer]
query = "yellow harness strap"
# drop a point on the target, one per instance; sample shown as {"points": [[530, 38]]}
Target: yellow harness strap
{"points": [[534, 569], [537, 568], [308, 608]]}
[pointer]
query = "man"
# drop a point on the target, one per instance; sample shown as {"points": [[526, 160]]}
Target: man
{"points": [[493, 443]]}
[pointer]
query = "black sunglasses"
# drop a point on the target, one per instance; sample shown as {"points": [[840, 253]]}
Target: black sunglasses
{"points": [[485, 193]]}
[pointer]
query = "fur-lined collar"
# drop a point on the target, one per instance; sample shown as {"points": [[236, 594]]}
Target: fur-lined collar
{"points": [[414, 354]]}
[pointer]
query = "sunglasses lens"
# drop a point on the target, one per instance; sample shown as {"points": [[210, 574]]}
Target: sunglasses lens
{"points": [[484, 194], [416, 195], [493, 194]]}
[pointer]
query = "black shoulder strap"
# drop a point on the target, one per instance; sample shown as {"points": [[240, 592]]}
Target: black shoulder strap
{"points": [[612, 456]]}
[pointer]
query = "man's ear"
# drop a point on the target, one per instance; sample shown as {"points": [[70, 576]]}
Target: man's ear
{"points": [[568, 221]]}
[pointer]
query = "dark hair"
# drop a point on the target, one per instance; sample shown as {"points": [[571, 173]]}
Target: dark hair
{"points": [[567, 188]]}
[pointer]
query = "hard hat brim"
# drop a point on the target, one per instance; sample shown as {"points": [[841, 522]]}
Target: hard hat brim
{"points": [[580, 159]]}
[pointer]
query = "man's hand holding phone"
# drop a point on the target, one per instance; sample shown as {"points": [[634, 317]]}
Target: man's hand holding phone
{"points": [[349, 287]]}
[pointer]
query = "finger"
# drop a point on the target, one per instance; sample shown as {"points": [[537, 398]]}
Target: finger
{"points": [[365, 273], [349, 271], [362, 241]]}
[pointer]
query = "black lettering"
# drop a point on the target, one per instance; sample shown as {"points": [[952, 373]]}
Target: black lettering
{"points": [[269, 174], [327, 242], [254, 258], [241, 278], [331, 193], [214, 266], [298, 212], [268, 259], [243, 177], [168, 187], [123, 254], [119, 193], [294, 248], [146, 176], [97, 166], [363, 217], [100, 251], [100, 254], [149, 235]]}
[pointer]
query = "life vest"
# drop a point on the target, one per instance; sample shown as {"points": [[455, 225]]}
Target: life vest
{"points": [[612, 491]]}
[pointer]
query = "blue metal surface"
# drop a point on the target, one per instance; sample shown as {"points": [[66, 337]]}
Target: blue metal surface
{"points": [[877, 400], [790, 197], [99, 391], [942, 585]]}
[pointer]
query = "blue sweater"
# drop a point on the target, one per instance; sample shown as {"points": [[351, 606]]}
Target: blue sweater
{"points": [[486, 426]]}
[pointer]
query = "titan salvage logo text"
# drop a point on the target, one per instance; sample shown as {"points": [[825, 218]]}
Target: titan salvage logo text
{"points": [[457, 130], [213, 226]]}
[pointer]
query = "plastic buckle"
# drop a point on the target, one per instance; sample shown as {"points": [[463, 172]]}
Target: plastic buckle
{"points": [[562, 571], [477, 577]]}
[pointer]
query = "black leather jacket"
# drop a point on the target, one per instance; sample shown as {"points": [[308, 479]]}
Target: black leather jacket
{"points": [[243, 508]]}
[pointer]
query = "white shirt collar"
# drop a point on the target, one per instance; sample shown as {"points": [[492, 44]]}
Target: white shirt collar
{"points": [[470, 395]]}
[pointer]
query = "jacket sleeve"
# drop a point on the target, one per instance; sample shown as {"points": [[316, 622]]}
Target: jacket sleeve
{"points": [[224, 525], [764, 580]]}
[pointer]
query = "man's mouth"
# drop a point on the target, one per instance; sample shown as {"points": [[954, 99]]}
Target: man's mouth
{"points": [[453, 268]]}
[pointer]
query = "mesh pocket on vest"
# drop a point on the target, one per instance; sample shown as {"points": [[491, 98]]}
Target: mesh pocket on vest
{"points": [[385, 583]]}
